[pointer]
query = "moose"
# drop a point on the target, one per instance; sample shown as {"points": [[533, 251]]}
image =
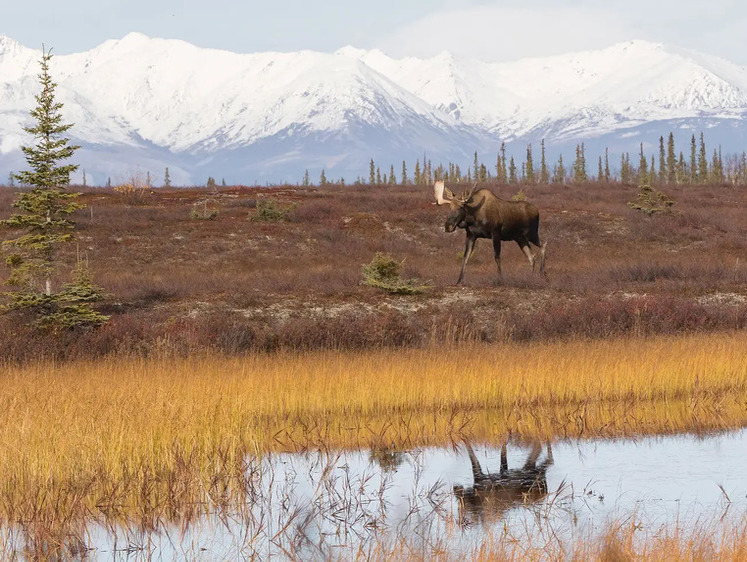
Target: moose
{"points": [[491, 494], [483, 215]]}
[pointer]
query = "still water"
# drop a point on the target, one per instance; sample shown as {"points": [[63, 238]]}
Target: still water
{"points": [[324, 505]]}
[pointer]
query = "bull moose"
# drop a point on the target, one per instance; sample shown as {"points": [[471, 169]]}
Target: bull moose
{"points": [[483, 215], [492, 494]]}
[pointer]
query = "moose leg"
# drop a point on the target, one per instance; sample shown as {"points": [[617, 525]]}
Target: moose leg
{"points": [[533, 456], [497, 252], [535, 239], [543, 247], [524, 245], [477, 473], [469, 247]]}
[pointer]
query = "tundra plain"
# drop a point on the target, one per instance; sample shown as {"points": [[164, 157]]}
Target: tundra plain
{"points": [[240, 327]]}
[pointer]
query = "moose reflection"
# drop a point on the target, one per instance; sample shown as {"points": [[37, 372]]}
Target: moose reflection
{"points": [[491, 494]]}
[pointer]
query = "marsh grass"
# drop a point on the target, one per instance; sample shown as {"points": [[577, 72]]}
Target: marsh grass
{"points": [[144, 441]]}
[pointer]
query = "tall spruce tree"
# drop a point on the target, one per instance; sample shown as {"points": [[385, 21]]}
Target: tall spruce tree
{"points": [[672, 175], [45, 224], [702, 161], [544, 173], [693, 161]]}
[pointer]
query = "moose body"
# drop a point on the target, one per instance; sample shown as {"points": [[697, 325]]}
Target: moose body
{"points": [[484, 215]]}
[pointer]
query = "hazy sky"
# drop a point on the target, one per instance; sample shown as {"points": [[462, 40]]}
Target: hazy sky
{"points": [[496, 30]]}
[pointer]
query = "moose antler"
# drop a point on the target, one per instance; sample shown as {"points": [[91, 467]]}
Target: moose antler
{"points": [[442, 193], [467, 194]]}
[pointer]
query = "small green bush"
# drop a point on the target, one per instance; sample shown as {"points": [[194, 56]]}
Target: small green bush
{"points": [[651, 201], [269, 210], [383, 272]]}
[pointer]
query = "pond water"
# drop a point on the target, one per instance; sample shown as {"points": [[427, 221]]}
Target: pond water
{"points": [[326, 505]]}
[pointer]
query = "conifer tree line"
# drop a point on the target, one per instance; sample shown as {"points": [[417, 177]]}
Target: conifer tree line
{"points": [[668, 167]]}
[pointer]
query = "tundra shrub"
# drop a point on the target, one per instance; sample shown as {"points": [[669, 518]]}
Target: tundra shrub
{"points": [[651, 201], [383, 272], [269, 210]]}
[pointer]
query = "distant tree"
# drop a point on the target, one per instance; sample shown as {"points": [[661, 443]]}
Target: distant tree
{"points": [[166, 178], [717, 167], [322, 178], [392, 177], [500, 168], [405, 181], [512, 171], [306, 182], [108, 182], [84, 178], [544, 173], [693, 161], [223, 182], [371, 172], [662, 162], [560, 171], [672, 175], [476, 168], [626, 170], [579, 165], [378, 176], [607, 176], [681, 171], [11, 180], [643, 177], [530, 165], [600, 172], [210, 182], [147, 180], [702, 161]]}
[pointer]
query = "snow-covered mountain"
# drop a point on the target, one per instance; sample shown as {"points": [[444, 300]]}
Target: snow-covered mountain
{"points": [[141, 104]]}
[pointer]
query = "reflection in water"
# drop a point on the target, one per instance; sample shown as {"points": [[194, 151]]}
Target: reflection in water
{"points": [[492, 493], [388, 459], [416, 504]]}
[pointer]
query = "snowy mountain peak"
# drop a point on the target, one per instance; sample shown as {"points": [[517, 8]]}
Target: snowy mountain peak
{"points": [[266, 113]]}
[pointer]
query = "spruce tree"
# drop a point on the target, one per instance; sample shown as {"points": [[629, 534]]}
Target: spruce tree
{"points": [[579, 165], [371, 172], [693, 161], [501, 172], [166, 179], [672, 175], [607, 164], [560, 172], [544, 174], [662, 162], [512, 171], [45, 223], [530, 165], [702, 161]]}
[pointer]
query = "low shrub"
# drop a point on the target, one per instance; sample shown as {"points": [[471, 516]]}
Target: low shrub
{"points": [[383, 272]]}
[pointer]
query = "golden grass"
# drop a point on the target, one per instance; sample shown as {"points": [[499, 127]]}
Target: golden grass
{"points": [[146, 439]]}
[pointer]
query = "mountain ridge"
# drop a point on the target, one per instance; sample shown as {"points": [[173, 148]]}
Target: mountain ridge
{"points": [[270, 116]]}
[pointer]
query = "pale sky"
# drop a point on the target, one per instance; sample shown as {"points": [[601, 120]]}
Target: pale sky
{"points": [[490, 30]]}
